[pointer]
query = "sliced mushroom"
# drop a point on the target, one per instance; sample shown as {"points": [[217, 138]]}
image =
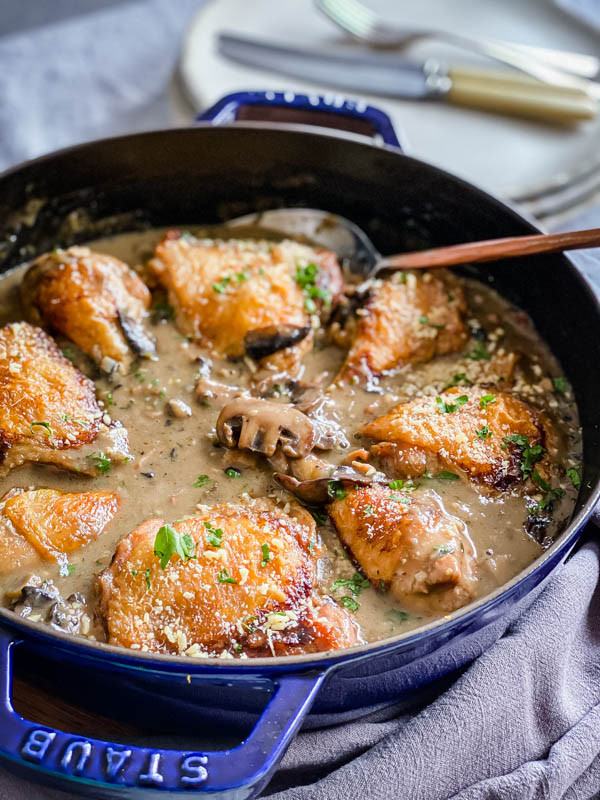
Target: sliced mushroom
{"points": [[135, 334], [310, 399], [271, 339], [37, 595], [323, 490], [262, 426], [67, 614]]}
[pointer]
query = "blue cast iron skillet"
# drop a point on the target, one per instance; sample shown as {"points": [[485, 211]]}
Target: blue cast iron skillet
{"points": [[256, 151]]}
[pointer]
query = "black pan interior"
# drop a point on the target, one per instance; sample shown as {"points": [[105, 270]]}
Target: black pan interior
{"points": [[209, 174]]}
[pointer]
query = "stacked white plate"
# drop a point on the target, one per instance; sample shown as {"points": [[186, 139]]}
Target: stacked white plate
{"points": [[552, 171]]}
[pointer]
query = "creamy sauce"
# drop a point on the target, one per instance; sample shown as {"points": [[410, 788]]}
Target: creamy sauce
{"points": [[170, 452]]}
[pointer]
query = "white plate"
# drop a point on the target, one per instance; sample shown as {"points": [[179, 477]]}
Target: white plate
{"points": [[548, 169], [586, 11]]}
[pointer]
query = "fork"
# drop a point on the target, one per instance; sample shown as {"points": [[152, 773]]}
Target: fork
{"points": [[551, 66]]}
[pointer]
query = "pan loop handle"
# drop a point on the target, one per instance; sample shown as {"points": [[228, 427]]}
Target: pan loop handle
{"points": [[328, 111], [93, 766]]}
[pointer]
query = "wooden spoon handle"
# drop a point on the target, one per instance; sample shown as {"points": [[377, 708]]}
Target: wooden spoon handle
{"points": [[491, 250]]}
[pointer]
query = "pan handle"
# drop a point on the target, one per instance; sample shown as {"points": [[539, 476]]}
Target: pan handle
{"points": [[329, 111], [93, 766]]}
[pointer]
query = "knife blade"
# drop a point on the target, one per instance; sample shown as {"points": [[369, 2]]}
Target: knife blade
{"points": [[387, 75], [380, 74]]}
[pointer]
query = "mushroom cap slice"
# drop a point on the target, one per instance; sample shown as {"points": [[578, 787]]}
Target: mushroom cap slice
{"points": [[250, 423], [317, 491]]}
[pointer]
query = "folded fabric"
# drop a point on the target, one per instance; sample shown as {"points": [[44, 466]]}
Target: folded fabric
{"points": [[522, 723]]}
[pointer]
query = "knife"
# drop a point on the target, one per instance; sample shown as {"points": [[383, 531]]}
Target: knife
{"points": [[386, 74]]}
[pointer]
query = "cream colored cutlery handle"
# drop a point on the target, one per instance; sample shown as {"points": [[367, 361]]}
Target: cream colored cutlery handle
{"points": [[518, 95]]}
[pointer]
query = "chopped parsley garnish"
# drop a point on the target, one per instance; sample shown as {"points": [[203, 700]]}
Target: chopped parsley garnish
{"points": [[266, 555], [457, 379], [169, 542], [109, 398], [573, 474], [444, 549], [531, 453], [543, 484], [560, 385], [349, 603], [369, 511], [516, 438], [322, 294], [310, 305], [163, 310], [68, 352], [336, 489], [232, 472], [140, 375], [407, 486], [71, 569], [320, 517], [147, 577], [213, 535], [305, 276], [479, 353], [425, 321], [101, 462], [487, 400], [241, 276], [311, 546], [484, 433], [356, 584], [225, 577], [221, 285], [47, 430], [67, 418], [395, 615], [447, 476], [550, 494], [399, 499], [449, 408], [201, 480]]}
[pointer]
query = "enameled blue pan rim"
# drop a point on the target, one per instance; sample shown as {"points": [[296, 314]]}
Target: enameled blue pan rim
{"points": [[184, 664]]}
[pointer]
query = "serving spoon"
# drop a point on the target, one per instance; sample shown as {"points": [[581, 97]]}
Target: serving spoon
{"points": [[360, 256]]}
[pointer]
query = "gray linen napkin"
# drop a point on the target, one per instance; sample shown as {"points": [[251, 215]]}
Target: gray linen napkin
{"points": [[523, 722]]}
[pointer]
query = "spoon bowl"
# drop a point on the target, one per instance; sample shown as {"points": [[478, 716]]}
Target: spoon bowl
{"points": [[360, 257]]}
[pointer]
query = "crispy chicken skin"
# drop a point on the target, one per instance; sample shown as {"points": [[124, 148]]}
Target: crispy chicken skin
{"points": [[427, 433], [408, 319], [48, 409], [93, 299], [48, 524], [230, 596], [222, 290], [410, 545]]}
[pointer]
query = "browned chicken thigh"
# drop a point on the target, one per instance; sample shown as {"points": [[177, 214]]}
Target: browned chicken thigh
{"points": [[408, 544], [241, 580], [407, 319], [491, 436], [95, 300], [48, 409], [248, 297], [46, 524]]}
